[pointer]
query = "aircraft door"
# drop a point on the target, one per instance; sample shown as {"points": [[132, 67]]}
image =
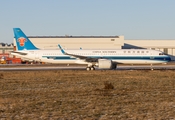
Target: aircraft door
{"points": [[36, 55], [152, 57]]}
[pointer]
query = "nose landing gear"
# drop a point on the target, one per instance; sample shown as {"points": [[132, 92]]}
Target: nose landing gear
{"points": [[152, 67]]}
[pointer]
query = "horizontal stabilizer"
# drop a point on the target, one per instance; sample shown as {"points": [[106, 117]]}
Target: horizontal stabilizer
{"points": [[20, 53]]}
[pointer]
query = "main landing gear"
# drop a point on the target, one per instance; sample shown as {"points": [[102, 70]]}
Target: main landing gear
{"points": [[90, 68]]}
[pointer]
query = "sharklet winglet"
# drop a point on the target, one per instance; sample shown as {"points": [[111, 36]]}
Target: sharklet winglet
{"points": [[61, 49]]}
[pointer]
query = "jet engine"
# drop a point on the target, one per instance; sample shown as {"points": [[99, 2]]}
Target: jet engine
{"points": [[106, 64]]}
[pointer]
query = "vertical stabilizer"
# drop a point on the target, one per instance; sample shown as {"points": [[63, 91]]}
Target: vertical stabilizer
{"points": [[22, 41]]}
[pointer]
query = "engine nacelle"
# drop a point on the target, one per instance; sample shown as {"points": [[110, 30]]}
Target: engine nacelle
{"points": [[106, 64]]}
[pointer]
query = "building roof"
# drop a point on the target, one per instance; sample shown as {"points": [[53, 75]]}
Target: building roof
{"points": [[73, 36]]}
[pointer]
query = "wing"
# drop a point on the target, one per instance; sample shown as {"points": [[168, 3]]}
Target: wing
{"points": [[87, 59]]}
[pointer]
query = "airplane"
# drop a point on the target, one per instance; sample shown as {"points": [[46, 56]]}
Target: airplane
{"points": [[103, 59]]}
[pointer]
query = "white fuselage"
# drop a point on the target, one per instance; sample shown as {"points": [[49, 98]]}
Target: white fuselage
{"points": [[124, 56]]}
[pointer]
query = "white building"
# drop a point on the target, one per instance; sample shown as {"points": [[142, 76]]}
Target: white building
{"points": [[6, 48], [76, 42]]}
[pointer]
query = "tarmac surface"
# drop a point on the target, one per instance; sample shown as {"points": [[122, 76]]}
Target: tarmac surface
{"points": [[80, 67]]}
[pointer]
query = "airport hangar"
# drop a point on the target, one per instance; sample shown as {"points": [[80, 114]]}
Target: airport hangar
{"points": [[101, 42]]}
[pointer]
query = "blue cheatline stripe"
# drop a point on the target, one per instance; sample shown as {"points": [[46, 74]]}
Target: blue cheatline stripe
{"points": [[158, 58], [59, 58]]}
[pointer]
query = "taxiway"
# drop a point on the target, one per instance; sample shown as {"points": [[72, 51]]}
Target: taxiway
{"points": [[119, 67]]}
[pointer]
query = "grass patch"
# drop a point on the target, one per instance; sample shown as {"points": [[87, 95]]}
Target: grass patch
{"points": [[1, 75], [108, 85], [74, 94]]}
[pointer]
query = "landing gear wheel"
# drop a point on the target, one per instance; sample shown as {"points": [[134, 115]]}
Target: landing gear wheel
{"points": [[92, 68], [88, 68]]}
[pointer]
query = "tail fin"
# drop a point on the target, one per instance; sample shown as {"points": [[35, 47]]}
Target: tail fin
{"points": [[22, 41]]}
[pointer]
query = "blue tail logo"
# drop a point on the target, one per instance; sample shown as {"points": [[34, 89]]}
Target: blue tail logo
{"points": [[22, 41]]}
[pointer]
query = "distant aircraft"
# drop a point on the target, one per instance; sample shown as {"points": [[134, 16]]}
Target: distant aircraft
{"points": [[103, 59]]}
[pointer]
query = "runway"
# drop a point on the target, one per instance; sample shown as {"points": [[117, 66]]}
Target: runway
{"points": [[119, 67]]}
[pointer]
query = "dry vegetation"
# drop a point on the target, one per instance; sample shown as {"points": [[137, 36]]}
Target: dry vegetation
{"points": [[66, 94]]}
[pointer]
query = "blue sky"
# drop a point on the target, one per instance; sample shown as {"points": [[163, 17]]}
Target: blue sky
{"points": [[135, 19]]}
